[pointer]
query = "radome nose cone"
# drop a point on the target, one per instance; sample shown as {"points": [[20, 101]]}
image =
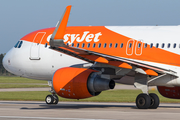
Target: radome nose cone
{"points": [[5, 62]]}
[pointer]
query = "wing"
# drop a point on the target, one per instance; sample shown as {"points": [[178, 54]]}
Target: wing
{"points": [[94, 56]]}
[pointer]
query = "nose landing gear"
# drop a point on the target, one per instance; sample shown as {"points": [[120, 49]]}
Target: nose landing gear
{"points": [[51, 99]]}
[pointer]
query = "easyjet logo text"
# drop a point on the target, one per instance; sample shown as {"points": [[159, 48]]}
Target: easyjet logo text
{"points": [[87, 36]]}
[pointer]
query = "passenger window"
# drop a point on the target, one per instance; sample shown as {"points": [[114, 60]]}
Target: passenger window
{"points": [[94, 45], [145, 45], [104, 45], [110, 45], [130, 45], [46, 45], [121, 45], [67, 44], [88, 45], [116, 45], [17, 44], [163, 45], [20, 44], [157, 45], [169, 45], [77, 45], [174, 45], [72, 44], [99, 45], [139, 45], [151, 45], [83, 45]]}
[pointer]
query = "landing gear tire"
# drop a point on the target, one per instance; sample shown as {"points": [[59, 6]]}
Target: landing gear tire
{"points": [[154, 101], [143, 101], [56, 99], [49, 99]]}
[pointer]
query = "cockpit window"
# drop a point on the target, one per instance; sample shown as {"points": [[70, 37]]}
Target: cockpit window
{"points": [[20, 44], [17, 44]]}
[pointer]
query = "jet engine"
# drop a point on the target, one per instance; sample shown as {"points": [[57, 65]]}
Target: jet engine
{"points": [[79, 83], [169, 92]]}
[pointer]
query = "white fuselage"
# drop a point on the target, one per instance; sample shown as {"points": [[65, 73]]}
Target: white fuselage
{"points": [[18, 61]]}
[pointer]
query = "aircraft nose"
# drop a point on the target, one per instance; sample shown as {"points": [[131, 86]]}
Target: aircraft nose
{"points": [[12, 62], [6, 61], [3, 61]]}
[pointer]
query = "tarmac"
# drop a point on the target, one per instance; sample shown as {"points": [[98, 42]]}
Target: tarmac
{"points": [[33, 110]]}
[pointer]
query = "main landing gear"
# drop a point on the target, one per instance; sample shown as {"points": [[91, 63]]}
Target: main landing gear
{"points": [[145, 100]]}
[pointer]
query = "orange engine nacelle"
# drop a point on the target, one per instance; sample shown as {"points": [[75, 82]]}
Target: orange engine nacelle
{"points": [[79, 83], [169, 92]]}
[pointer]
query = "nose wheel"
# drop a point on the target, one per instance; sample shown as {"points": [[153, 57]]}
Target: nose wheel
{"points": [[51, 99]]}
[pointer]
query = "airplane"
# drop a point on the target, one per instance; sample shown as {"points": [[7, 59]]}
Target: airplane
{"points": [[82, 61]]}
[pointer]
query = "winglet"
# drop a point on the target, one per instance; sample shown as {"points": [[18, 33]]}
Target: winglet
{"points": [[57, 36]]}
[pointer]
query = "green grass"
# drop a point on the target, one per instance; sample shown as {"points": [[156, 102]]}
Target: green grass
{"points": [[106, 96], [19, 82], [6, 79], [21, 86]]}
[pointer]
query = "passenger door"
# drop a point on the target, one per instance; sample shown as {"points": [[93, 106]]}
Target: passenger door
{"points": [[35, 46]]}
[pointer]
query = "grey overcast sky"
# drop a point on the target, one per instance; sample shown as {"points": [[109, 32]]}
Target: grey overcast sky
{"points": [[20, 17]]}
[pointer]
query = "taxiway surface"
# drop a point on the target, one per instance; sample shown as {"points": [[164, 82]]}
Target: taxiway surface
{"points": [[30, 110]]}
